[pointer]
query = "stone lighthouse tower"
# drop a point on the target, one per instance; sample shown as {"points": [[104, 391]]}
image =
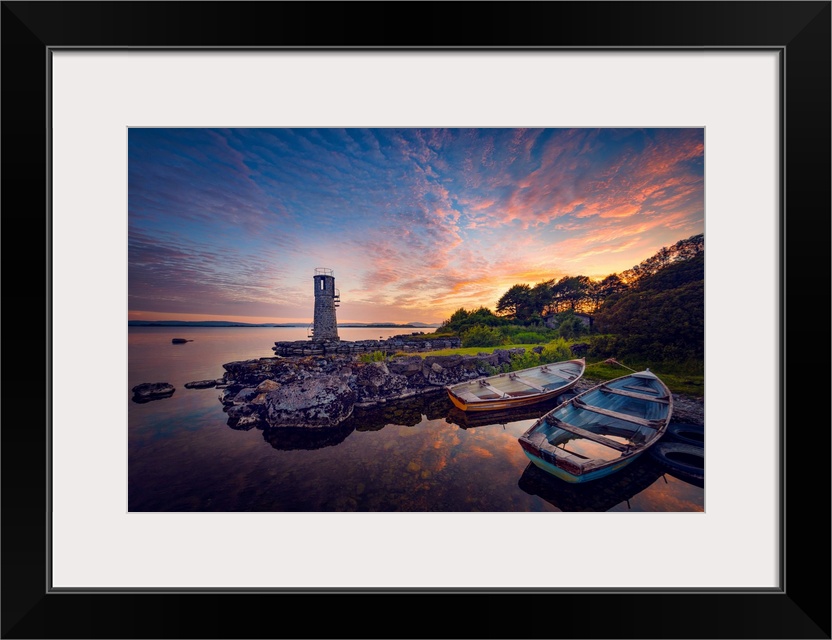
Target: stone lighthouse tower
{"points": [[327, 298]]}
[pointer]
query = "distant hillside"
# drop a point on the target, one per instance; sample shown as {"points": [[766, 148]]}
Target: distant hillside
{"points": [[206, 323], [226, 323]]}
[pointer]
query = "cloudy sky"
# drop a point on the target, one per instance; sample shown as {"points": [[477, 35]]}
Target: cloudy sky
{"points": [[230, 224]]}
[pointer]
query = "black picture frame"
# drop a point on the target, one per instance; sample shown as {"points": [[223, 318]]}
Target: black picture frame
{"points": [[800, 31]]}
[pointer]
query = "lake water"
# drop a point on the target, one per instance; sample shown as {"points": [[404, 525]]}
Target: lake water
{"points": [[417, 455]]}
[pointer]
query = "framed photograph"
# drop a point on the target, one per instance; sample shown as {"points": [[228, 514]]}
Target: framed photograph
{"points": [[153, 136]]}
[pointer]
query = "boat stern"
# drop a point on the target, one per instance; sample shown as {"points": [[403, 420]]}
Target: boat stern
{"points": [[459, 404]]}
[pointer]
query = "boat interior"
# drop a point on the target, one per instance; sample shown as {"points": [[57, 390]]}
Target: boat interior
{"points": [[543, 379], [614, 419]]}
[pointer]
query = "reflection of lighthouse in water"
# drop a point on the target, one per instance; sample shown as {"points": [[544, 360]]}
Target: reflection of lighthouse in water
{"points": [[327, 298]]}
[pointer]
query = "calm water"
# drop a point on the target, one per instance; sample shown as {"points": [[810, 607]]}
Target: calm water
{"points": [[415, 455]]}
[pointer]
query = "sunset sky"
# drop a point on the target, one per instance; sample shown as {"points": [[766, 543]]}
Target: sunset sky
{"points": [[230, 224]]}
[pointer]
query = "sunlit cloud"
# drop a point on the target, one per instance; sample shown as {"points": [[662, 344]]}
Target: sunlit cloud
{"points": [[415, 222]]}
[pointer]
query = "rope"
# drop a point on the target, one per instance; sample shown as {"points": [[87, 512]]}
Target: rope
{"points": [[614, 361]]}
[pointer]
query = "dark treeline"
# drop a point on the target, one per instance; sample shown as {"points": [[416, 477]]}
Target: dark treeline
{"points": [[653, 312], [527, 303]]}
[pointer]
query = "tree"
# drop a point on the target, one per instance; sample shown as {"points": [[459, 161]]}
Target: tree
{"points": [[543, 297], [572, 292], [517, 303], [609, 286]]}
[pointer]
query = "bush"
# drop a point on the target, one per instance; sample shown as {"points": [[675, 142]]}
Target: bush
{"points": [[528, 337], [375, 356], [481, 336], [490, 370], [524, 360], [556, 351], [570, 326]]}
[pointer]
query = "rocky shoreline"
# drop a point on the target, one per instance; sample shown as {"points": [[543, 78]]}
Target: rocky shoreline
{"points": [[324, 390], [318, 391]]}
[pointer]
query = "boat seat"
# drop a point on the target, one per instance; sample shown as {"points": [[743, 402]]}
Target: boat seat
{"points": [[639, 396], [652, 424], [590, 435]]}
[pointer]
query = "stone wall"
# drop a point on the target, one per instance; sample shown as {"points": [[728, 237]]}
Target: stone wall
{"points": [[394, 344]]}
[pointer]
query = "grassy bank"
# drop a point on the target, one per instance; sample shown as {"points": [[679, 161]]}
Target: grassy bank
{"points": [[691, 385], [469, 351], [688, 384]]}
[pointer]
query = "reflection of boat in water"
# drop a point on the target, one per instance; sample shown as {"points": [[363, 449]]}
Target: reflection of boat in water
{"points": [[602, 430], [467, 420], [518, 388], [600, 495]]}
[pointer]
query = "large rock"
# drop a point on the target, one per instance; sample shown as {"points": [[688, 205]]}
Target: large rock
{"points": [[201, 384], [323, 401], [148, 391], [406, 365], [375, 382], [372, 374], [446, 362]]}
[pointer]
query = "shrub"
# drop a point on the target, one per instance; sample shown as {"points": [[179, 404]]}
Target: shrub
{"points": [[489, 369], [570, 326], [528, 337], [375, 356], [524, 360], [556, 351], [482, 336]]}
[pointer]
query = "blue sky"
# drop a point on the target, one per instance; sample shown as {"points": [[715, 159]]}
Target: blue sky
{"points": [[416, 223]]}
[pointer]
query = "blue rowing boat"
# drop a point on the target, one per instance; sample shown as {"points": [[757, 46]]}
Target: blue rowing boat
{"points": [[601, 430]]}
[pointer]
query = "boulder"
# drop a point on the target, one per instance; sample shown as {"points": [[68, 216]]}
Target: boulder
{"points": [[245, 395], [201, 384], [148, 391], [372, 374], [579, 349], [406, 365], [323, 401], [446, 362], [267, 385]]}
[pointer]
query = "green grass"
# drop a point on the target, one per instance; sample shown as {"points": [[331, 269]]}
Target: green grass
{"points": [[691, 385], [468, 351]]}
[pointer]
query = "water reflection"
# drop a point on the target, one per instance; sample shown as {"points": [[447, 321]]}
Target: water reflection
{"points": [[430, 463], [408, 412], [598, 495], [470, 420], [686, 477], [295, 438]]}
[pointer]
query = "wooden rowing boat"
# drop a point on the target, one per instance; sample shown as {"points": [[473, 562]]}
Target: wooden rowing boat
{"points": [[517, 388], [600, 430]]}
